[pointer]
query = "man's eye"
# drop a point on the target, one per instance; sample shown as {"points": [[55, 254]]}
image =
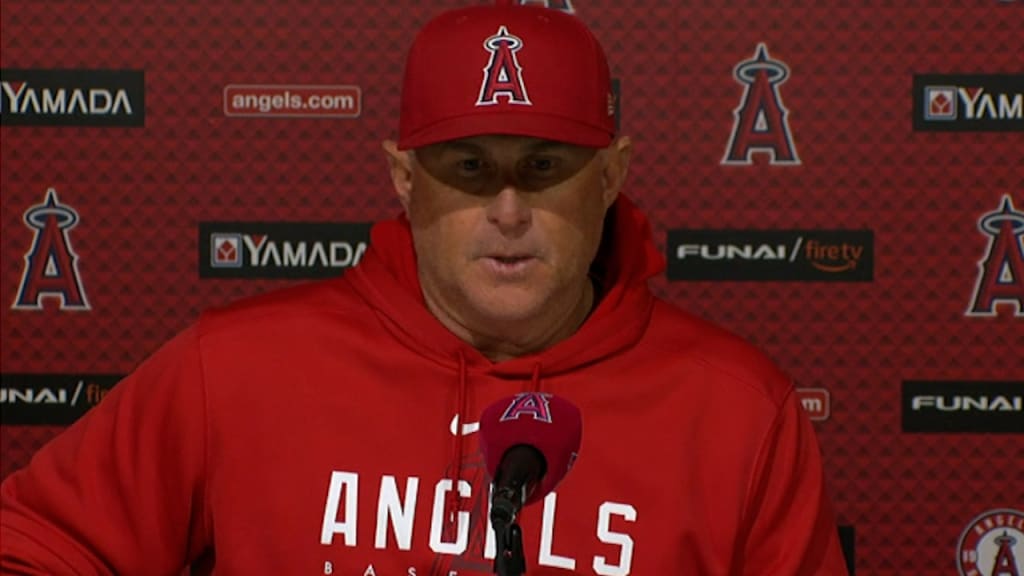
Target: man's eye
{"points": [[470, 165], [541, 164]]}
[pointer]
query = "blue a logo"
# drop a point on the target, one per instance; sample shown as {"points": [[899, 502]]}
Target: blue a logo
{"points": [[760, 120], [503, 76], [51, 266]]}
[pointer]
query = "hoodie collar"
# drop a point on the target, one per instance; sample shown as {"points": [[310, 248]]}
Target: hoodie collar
{"points": [[387, 279]]}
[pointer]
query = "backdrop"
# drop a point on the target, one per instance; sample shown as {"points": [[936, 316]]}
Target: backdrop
{"points": [[842, 183]]}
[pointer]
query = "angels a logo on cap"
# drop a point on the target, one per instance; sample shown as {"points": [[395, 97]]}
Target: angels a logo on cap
{"points": [[502, 75]]}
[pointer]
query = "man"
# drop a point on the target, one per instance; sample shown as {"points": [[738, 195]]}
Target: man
{"points": [[331, 428]]}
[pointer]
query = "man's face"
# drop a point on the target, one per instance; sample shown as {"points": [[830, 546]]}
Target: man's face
{"points": [[506, 227]]}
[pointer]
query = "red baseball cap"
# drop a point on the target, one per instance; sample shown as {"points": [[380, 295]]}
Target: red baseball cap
{"points": [[506, 69]]}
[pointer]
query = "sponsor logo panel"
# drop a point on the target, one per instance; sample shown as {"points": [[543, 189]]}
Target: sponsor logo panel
{"points": [[290, 100], [817, 403], [992, 543], [963, 406], [765, 255], [50, 399], [36, 97], [968, 102], [280, 249]]}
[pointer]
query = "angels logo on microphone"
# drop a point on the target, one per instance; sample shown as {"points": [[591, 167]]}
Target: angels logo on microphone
{"points": [[533, 404], [1001, 270], [992, 544], [503, 74], [761, 124], [51, 266]]}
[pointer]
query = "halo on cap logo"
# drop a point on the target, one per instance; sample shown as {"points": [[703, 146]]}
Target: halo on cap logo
{"points": [[992, 545]]}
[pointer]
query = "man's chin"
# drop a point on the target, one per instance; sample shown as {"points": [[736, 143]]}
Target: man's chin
{"points": [[512, 309]]}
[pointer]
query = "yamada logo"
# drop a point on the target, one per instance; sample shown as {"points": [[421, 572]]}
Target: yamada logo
{"points": [[72, 98], [280, 249], [969, 102], [765, 255]]}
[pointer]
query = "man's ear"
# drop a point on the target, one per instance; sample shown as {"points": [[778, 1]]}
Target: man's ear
{"points": [[400, 166], [616, 165]]}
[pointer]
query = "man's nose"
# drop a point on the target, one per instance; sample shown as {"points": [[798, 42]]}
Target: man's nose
{"points": [[509, 210]]}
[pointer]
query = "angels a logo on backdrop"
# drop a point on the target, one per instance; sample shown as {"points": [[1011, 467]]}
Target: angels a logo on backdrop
{"points": [[563, 5], [1001, 269], [761, 123], [51, 265], [993, 543], [503, 75]]}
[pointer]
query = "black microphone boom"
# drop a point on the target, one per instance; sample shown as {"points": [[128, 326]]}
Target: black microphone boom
{"points": [[521, 469]]}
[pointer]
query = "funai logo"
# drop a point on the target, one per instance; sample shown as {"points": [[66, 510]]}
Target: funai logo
{"points": [[769, 255]]}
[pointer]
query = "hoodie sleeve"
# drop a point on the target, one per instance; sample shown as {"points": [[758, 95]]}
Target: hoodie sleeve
{"points": [[790, 524], [121, 491]]}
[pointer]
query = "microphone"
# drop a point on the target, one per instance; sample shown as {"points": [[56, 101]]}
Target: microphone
{"points": [[530, 442]]}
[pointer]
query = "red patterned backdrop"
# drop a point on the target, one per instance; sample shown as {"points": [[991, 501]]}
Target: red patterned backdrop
{"points": [[842, 184]]}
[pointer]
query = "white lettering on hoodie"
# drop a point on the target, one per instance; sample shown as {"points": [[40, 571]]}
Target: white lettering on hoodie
{"points": [[400, 514], [349, 483]]}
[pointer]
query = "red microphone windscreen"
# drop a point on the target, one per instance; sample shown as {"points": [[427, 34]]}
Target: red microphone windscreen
{"points": [[546, 422]]}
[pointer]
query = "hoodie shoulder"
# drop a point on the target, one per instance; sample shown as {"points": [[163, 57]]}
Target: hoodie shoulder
{"points": [[726, 355], [279, 308]]}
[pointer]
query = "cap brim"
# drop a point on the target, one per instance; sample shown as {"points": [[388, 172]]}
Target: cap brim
{"points": [[555, 128]]}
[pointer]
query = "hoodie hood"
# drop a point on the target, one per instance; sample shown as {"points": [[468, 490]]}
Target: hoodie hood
{"points": [[387, 279]]}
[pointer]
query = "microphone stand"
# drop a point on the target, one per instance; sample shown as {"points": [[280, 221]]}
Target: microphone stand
{"points": [[510, 560], [526, 466]]}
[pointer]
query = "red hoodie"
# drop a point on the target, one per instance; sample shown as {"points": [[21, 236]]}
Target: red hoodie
{"points": [[314, 431]]}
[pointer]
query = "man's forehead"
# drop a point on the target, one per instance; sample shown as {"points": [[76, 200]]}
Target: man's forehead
{"points": [[506, 142]]}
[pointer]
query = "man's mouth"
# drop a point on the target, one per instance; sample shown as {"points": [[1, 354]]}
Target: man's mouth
{"points": [[511, 259]]}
